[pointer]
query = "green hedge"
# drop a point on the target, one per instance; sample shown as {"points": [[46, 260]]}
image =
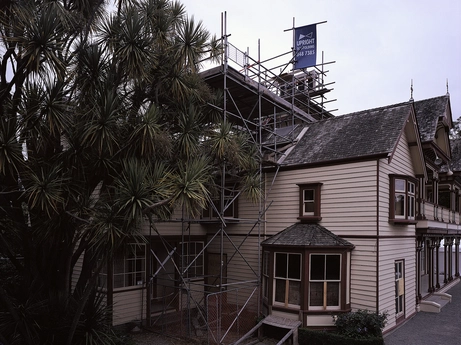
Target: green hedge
{"points": [[311, 337]]}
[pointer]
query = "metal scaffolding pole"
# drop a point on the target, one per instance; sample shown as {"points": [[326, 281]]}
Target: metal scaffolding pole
{"points": [[273, 108]]}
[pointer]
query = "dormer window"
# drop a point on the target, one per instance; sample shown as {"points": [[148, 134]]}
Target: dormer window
{"points": [[309, 202]]}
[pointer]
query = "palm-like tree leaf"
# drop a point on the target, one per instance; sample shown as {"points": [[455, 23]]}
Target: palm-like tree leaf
{"points": [[43, 40], [147, 137], [11, 156], [134, 192], [190, 185], [190, 130], [103, 131], [47, 188], [91, 68], [134, 46], [56, 108], [106, 231], [191, 41], [251, 186]]}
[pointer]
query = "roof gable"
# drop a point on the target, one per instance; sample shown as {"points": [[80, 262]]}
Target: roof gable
{"points": [[434, 123], [430, 113], [413, 141]]}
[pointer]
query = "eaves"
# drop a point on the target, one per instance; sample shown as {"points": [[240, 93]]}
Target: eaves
{"points": [[328, 163]]}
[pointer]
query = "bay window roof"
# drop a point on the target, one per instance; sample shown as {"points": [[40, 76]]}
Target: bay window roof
{"points": [[306, 234]]}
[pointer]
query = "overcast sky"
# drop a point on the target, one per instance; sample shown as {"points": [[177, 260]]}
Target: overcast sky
{"points": [[378, 46]]}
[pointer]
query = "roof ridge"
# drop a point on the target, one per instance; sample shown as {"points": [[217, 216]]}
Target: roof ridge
{"points": [[365, 111], [432, 98]]}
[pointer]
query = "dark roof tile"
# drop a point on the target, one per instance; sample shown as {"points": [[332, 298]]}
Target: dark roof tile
{"points": [[455, 163], [306, 234], [360, 134], [428, 112]]}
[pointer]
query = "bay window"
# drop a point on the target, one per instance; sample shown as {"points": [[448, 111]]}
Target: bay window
{"points": [[306, 273]]}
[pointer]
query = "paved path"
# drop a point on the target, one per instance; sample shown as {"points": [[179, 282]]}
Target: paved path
{"points": [[431, 328]]}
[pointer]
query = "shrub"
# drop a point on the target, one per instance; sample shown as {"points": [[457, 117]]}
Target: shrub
{"points": [[360, 324]]}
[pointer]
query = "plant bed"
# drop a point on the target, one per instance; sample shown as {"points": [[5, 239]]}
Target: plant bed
{"points": [[360, 327]]}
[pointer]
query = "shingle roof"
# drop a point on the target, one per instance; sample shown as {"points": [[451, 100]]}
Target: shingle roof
{"points": [[455, 163], [427, 115], [360, 134], [307, 234]]}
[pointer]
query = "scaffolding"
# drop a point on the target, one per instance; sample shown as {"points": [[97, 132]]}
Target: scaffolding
{"points": [[273, 105]]}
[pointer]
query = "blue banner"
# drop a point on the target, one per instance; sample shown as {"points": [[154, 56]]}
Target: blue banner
{"points": [[305, 46]]}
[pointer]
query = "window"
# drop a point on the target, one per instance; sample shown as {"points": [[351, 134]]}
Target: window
{"points": [[399, 289], [265, 276], [444, 195], [309, 202], [230, 205], [324, 281], [287, 279], [193, 259], [130, 266], [429, 193], [403, 199], [457, 194]]}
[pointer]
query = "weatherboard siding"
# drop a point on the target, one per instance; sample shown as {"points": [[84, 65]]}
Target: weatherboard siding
{"points": [[242, 268], [348, 205], [128, 306], [397, 242], [363, 274], [77, 270], [348, 209], [243, 264]]}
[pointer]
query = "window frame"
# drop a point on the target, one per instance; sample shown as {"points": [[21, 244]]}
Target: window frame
{"points": [[315, 215], [196, 270], [129, 267], [266, 274], [344, 282], [231, 206], [409, 193], [444, 198], [325, 282], [287, 281], [399, 268]]}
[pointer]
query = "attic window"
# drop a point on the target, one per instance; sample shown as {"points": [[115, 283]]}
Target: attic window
{"points": [[309, 202]]}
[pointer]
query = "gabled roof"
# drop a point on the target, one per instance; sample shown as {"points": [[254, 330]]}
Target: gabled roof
{"points": [[306, 234], [373, 132], [428, 113]]}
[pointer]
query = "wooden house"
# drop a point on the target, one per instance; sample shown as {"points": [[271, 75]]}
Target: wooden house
{"points": [[359, 210]]}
